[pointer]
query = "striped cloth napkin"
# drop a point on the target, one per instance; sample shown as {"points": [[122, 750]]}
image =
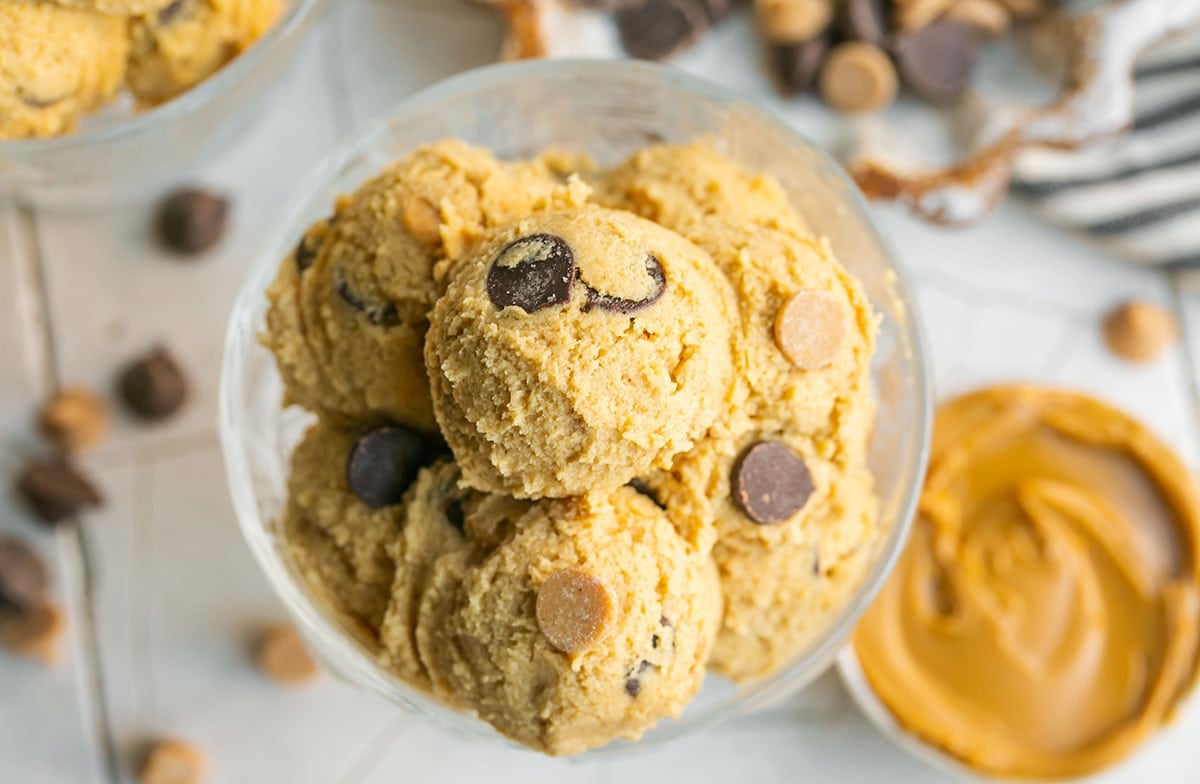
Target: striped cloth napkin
{"points": [[1138, 193]]}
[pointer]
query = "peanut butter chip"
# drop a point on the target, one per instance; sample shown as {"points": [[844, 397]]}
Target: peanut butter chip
{"points": [[858, 77], [1140, 331], [809, 329], [35, 633], [422, 220], [986, 16], [915, 14], [173, 762], [788, 21], [74, 419], [573, 610], [283, 658]]}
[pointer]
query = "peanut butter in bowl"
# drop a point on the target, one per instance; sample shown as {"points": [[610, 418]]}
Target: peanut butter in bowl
{"points": [[1043, 620]]}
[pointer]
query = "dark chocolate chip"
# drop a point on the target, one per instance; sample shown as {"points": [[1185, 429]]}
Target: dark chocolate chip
{"points": [[644, 489], [936, 61], [770, 482], [865, 20], [191, 221], [382, 464], [55, 490], [533, 273], [154, 386], [596, 299], [380, 314], [797, 64], [716, 10], [23, 576], [173, 11], [655, 640], [633, 687], [665, 621], [306, 251], [658, 29]]}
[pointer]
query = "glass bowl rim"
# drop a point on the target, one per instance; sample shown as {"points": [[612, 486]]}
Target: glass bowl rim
{"points": [[187, 103], [256, 531]]}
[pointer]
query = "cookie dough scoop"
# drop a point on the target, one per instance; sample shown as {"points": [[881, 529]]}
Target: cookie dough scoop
{"points": [[576, 350]]}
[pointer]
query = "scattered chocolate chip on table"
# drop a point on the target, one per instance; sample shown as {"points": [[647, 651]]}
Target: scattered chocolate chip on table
{"points": [[190, 220], [24, 579], [55, 490], [153, 386]]}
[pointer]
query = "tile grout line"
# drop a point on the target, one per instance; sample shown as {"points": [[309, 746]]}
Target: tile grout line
{"points": [[1177, 280], [72, 539]]}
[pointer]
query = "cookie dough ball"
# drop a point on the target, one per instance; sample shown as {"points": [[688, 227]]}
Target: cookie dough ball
{"points": [[349, 307], [592, 622], [577, 349], [56, 64], [682, 186], [186, 41], [340, 543]]}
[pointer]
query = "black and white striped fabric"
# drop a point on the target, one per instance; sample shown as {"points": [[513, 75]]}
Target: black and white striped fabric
{"points": [[1138, 193]]}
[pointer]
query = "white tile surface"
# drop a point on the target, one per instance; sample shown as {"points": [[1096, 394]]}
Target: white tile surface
{"points": [[178, 595]]}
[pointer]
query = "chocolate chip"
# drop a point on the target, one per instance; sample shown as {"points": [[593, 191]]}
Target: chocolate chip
{"points": [[382, 464], [633, 687], [173, 11], [191, 220], [644, 489], [770, 482], [798, 64], [936, 61], [655, 640], [307, 248], [23, 577], [379, 314], [154, 386], [716, 10], [658, 29], [55, 490], [533, 273], [865, 20], [654, 269]]}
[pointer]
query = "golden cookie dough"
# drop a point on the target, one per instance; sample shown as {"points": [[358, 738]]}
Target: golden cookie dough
{"points": [[349, 308], [1042, 621], [187, 41], [625, 367], [120, 7], [644, 624], [683, 186], [56, 65]]}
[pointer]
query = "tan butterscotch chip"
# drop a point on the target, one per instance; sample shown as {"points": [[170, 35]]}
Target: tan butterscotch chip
{"points": [[35, 633], [858, 77], [173, 762], [283, 658], [788, 21], [915, 14], [421, 219], [573, 610], [75, 418], [985, 16], [1140, 331], [809, 329]]}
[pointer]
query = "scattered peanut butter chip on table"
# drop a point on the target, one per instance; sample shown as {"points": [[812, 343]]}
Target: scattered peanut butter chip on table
{"points": [[173, 762], [864, 20], [1140, 331], [75, 418], [283, 658], [154, 386], [915, 14], [35, 633], [657, 29], [809, 329], [988, 17], [793, 20], [858, 77], [771, 482], [55, 490], [573, 610], [23, 576]]}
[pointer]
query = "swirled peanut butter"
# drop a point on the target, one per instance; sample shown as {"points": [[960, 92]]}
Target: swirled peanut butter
{"points": [[1043, 619]]}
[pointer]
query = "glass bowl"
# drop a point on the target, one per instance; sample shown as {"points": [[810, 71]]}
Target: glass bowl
{"points": [[118, 154], [607, 110]]}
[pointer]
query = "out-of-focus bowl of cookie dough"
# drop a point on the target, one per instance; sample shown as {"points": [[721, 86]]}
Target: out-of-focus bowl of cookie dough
{"points": [[606, 110], [120, 152]]}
